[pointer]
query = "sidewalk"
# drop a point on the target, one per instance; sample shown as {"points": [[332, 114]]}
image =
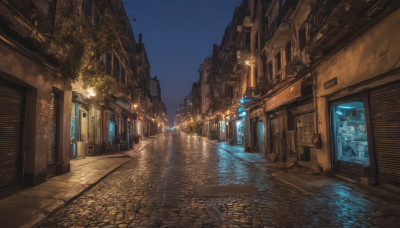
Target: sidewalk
{"points": [[30, 206], [302, 178]]}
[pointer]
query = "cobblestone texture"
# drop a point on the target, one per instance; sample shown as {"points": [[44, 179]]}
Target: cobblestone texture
{"points": [[158, 189]]}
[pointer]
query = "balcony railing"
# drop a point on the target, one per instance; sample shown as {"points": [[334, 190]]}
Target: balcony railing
{"points": [[319, 15], [274, 82], [294, 67]]}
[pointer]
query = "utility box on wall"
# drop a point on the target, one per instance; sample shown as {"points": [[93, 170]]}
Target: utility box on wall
{"points": [[90, 150]]}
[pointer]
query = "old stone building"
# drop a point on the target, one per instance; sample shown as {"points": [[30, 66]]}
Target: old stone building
{"points": [[312, 82], [98, 122], [158, 108], [34, 98], [48, 116]]}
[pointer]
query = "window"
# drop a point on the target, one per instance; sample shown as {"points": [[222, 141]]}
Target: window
{"points": [[302, 37], [95, 17], [87, 7], [116, 69], [123, 76], [350, 132], [256, 43], [278, 61], [270, 70], [288, 51], [108, 63]]}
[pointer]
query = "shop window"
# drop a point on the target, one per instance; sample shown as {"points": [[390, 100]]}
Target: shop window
{"points": [[111, 130], [350, 134], [239, 131]]}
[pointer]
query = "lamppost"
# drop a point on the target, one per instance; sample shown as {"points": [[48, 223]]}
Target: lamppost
{"points": [[134, 119]]}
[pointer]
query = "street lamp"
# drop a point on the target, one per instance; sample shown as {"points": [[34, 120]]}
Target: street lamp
{"points": [[90, 92]]}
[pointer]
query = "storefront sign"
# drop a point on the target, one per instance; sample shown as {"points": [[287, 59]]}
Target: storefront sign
{"points": [[123, 104], [330, 83], [285, 96]]}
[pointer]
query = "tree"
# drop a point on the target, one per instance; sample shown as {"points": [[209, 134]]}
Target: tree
{"points": [[83, 43]]}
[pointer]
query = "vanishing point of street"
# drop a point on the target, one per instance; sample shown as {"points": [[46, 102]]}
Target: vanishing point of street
{"points": [[175, 182]]}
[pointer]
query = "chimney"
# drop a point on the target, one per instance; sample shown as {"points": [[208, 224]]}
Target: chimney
{"points": [[140, 38]]}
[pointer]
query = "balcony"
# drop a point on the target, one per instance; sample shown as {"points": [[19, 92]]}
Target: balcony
{"points": [[295, 67], [334, 23], [284, 13]]}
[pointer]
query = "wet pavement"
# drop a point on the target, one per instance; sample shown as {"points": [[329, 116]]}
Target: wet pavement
{"points": [[182, 180]]}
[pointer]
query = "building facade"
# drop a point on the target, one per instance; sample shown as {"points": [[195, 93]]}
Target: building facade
{"points": [[34, 98], [311, 82], [48, 117]]}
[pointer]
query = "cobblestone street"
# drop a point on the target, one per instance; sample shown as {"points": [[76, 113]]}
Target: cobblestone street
{"points": [[160, 188]]}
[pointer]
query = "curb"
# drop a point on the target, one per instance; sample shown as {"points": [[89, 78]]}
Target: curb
{"points": [[35, 222]]}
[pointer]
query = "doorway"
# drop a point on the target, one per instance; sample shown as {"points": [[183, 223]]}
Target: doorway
{"points": [[260, 136]]}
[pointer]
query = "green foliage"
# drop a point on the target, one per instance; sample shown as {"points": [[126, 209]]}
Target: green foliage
{"points": [[83, 43]]}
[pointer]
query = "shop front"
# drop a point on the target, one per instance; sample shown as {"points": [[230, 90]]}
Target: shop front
{"points": [[350, 138], [257, 129], [280, 131], [239, 131], [229, 129], [365, 134], [240, 125]]}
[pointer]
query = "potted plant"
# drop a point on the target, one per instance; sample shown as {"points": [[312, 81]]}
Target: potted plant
{"points": [[116, 144], [136, 138]]}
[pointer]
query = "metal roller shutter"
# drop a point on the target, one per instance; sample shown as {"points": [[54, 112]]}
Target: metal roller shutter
{"points": [[11, 100], [385, 121]]}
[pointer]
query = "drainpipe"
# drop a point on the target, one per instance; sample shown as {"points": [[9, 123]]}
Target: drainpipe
{"points": [[314, 78]]}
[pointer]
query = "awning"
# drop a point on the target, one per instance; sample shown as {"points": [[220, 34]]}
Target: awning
{"points": [[287, 95]]}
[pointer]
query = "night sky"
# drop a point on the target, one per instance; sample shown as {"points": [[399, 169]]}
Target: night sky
{"points": [[178, 35]]}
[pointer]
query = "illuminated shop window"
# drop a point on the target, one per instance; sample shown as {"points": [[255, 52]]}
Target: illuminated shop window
{"points": [[239, 131], [350, 134], [111, 131]]}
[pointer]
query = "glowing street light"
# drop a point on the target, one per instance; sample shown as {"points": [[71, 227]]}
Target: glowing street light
{"points": [[90, 92]]}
